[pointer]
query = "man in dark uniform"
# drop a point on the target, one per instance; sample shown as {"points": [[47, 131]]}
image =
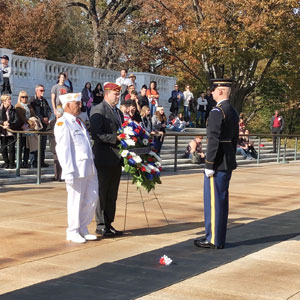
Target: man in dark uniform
{"points": [[105, 121], [222, 138]]}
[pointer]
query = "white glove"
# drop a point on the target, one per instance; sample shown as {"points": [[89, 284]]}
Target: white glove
{"points": [[209, 172], [69, 182]]}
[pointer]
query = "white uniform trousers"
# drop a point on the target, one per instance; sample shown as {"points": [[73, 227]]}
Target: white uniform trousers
{"points": [[82, 200]]}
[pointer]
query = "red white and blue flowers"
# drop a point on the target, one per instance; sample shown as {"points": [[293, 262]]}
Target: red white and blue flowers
{"points": [[140, 159]]}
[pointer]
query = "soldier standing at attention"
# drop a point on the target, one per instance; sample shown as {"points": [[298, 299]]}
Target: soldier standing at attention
{"points": [[75, 156], [222, 138]]}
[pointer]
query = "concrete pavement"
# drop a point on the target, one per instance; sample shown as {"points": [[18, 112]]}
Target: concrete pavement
{"points": [[261, 259]]}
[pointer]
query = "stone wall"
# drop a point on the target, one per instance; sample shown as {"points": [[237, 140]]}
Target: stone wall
{"points": [[27, 72]]}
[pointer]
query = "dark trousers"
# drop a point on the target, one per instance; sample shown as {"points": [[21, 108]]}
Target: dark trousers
{"points": [[8, 149], [275, 130], [109, 180], [216, 206], [24, 150], [158, 142], [43, 149]]}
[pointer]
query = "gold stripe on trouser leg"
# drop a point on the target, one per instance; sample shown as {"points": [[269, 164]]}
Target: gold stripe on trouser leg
{"points": [[212, 209]]}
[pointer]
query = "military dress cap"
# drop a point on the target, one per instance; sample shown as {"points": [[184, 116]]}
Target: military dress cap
{"points": [[70, 97], [220, 82], [110, 86], [5, 57]]}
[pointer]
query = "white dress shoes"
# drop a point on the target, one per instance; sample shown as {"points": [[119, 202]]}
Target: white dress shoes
{"points": [[75, 238], [84, 232], [90, 237]]}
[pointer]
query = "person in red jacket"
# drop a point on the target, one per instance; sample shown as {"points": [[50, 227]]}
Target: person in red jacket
{"points": [[276, 127]]}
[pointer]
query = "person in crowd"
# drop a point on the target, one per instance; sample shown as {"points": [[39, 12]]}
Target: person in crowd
{"points": [[210, 103], [188, 99], [87, 97], [1, 82], [153, 96], [250, 144], [178, 123], [5, 69], [132, 78], [43, 111], [194, 150], [24, 112], [276, 127], [106, 119], [146, 119], [124, 107], [123, 82], [130, 89], [142, 97], [68, 82], [202, 103], [242, 125], [57, 90], [8, 120], [75, 156], [134, 98], [159, 123], [133, 112], [57, 166], [98, 94], [222, 138], [243, 147], [176, 99]]}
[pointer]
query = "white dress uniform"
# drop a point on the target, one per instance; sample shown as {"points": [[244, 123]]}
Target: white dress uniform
{"points": [[76, 158]]}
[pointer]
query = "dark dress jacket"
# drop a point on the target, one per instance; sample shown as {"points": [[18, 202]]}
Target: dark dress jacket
{"points": [[14, 122], [41, 108], [222, 137], [104, 127]]}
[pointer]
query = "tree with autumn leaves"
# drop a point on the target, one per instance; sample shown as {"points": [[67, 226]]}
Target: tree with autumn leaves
{"points": [[254, 42], [240, 39]]}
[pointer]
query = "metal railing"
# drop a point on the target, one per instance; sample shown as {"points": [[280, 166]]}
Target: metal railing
{"points": [[18, 154], [176, 136], [259, 136]]}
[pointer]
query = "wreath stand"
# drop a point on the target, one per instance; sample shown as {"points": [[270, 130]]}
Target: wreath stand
{"points": [[143, 203]]}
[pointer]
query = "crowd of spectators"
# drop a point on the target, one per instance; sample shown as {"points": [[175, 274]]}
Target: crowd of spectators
{"points": [[193, 108], [140, 106]]}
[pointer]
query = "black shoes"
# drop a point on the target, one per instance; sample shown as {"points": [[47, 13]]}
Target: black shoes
{"points": [[5, 166], [204, 243], [12, 166], [25, 165], [109, 232]]}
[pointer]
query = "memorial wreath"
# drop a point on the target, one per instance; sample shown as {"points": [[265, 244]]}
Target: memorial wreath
{"points": [[140, 159]]}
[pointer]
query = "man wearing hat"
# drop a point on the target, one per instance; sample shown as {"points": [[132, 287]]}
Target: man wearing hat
{"points": [[105, 120], [222, 138], [5, 70], [75, 156], [132, 77]]}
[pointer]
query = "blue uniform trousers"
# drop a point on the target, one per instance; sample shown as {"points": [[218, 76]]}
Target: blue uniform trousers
{"points": [[216, 206]]}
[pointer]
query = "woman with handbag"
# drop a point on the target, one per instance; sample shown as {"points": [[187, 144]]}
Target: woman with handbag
{"points": [[24, 112]]}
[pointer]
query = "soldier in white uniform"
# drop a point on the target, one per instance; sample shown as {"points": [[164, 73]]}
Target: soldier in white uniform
{"points": [[77, 161]]}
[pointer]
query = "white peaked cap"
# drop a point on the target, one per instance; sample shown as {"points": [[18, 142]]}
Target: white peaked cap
{"points": [[69, 98]]}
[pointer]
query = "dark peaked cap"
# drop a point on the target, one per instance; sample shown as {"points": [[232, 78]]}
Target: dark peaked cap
{"points": [[220, 82]]}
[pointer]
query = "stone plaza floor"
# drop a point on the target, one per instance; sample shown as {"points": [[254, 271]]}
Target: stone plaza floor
{"points": [[261, 259]]}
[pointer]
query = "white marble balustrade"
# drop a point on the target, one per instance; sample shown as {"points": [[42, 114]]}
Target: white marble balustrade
{"points": [[27, 72]]}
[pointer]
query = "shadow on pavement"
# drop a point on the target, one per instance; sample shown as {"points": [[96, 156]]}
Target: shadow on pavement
{"points": [[139, 275]]}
